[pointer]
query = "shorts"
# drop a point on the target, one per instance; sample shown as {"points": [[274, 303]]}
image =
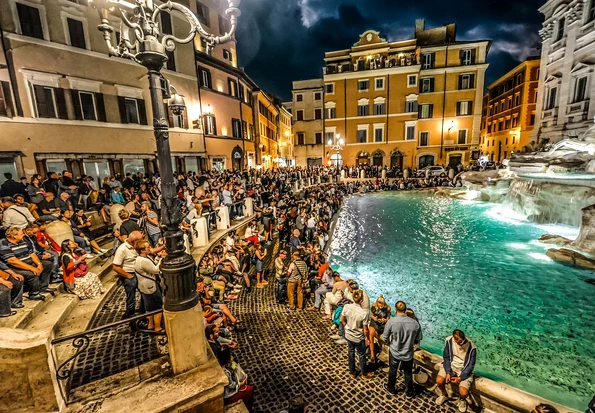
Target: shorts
{"points": [[153, 301], [464, 383]]}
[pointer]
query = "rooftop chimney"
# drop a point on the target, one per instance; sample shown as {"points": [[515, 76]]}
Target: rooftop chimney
{"points": [[420, 25]]}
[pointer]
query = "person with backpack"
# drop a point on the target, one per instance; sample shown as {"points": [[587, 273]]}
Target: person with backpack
{"points": [[298, 275]]}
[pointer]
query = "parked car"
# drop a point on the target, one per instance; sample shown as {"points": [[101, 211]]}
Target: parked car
{"points": [[433, 171]]}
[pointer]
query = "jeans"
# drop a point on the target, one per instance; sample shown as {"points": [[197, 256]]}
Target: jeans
{"points": [[82, 242], [10, 297], [55, 259], [406, 367], [361, 353], [281, 290], [35, 283], [319, 295], [154, 239], [130, 285]]}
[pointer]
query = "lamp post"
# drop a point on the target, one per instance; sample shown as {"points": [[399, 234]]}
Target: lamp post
{"points": [[142, 42], [336, 145]]}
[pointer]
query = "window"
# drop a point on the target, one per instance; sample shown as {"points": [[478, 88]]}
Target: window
{"points": [[205, 78], [532, 119], [55, 166], [317, 96], [362, 136], [591, 11], [30, 21], [551, 99], [560, 32], [317, 114], [223, 24], [426, 85], [300, 115], [490, 128], [318, 136], [299, 97], [517, 100], [427, 60], [100, 169], [424, 137], [515, 121], [210, 125], [462, 137], [329, 136], [87, 105], [519, 79], [232, 86], [363, 85], [467, 57], [426, 111], [411, 106], [132, 115], [45, 101], [202, 12], [464, 108], [300, 138], [380, 84], [378, 134], [6, 107], [363, 109], [76, 33], [410, 132], [411, 80], [331, 113], [379, 109], [502, 106], [466, 82], [236, 128], [580, 89], [500, 125], [507, 124], [227, 55], [329, 88], [509, 104]]}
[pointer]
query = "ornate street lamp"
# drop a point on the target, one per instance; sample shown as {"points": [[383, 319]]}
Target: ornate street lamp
{"points": [[142, 41], [337, 145]]}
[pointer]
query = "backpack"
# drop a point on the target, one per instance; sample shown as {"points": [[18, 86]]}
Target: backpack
{"points": [[337, 315]]}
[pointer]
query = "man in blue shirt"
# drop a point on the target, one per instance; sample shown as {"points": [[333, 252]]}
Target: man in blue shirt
{"points": [[295, 243], [401, 333]]}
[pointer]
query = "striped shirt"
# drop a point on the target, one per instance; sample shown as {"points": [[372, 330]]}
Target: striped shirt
{"points": [[298, 270], [20, 251]]}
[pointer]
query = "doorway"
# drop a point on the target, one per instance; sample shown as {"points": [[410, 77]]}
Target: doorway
{"points": [[454, 161]]}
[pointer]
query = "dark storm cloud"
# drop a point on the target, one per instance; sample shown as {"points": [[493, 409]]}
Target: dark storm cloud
{"points": [[284, 40]]}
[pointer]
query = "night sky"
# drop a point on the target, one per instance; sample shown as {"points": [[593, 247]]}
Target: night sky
{"points": [[284, 40]]}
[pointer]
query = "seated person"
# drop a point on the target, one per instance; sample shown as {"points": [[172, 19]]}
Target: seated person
{"points": [[457, 368], [77, 278], [47, 209], [87, 244], [64, 203], [11, 292], [117, 197], [207, 300], [16, 256], [14, 215], [237, 388], [31, 239]]}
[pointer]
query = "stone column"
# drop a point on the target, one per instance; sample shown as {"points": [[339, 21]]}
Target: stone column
{"points": [[384, 174], [188, 347], [342, 174], [362, 174], [223, 219], [200, 233]]}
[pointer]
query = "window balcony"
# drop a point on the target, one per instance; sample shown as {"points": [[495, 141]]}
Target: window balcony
{"points": [[551, 114], [372, 63], [578, 108]]}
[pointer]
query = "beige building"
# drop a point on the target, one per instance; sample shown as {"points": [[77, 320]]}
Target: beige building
{"points": [[66, 104], [409, 103], [285, 136], [508, 117], [308, 113]]}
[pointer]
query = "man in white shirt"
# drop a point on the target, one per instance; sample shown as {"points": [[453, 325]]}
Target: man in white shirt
{"points": [[14, 215], [356, 320], [123, 265]]}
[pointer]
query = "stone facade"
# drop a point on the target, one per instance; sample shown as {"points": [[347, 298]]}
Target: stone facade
{"points": [[308, 113], [566, 84]]}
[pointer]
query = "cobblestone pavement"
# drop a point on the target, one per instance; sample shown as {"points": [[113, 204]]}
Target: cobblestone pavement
{"points": [[288, 354], [114, 350]]}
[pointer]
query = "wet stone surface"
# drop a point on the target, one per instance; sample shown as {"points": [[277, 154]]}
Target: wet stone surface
{"points": [[289, 354]]}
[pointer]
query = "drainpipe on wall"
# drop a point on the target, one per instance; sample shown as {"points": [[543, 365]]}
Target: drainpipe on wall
{"points": [[345, 108], [244, 157]]}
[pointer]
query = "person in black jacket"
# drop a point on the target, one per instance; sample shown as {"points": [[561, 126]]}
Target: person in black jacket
{"points": [[51, 183], [10, 187]]}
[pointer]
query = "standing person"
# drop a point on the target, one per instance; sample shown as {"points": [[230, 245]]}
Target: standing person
{"points": [[51, 183], [380, 314], [281, 276], [356, 320], [295, 243], [402, 333], [457, 368], [151, 223], [123, 265], [259, 255], [148, 283], [298, 274], [10, 187]]}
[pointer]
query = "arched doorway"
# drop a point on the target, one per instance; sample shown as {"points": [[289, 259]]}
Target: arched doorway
{"points": [[237, 158], [426, 160], [396, 159], [378, 158], [363, 158]]}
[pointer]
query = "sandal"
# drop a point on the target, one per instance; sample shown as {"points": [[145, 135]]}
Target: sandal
{"points": [[8, 315]]}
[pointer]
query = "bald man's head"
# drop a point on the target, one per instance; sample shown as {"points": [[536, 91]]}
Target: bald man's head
{"points": [[134, 236]]}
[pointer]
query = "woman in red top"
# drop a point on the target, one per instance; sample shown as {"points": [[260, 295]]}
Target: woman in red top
{"points": [[77, 277]]}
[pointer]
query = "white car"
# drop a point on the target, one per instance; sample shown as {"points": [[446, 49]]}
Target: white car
{"points": [[432, 170]]}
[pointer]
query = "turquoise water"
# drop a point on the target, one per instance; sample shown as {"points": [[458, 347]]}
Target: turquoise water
{"points": [[461, 264]]}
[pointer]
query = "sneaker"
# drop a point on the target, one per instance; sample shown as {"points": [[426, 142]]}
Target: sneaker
{"points": [[441, 400], [462, 405], [341, 341], [335, 337], [389, 391]]}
